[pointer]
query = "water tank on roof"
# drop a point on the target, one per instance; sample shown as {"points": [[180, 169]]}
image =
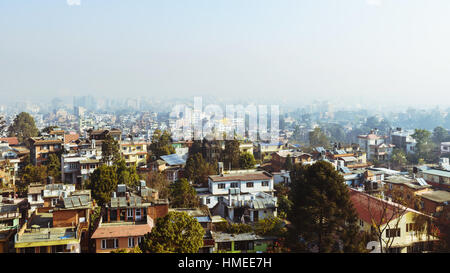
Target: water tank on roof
{"points": [[142, 183]]}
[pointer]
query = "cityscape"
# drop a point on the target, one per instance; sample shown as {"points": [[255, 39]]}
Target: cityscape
{"points": [[176, 139]]}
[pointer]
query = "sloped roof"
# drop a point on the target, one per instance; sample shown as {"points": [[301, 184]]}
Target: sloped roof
{"points": [[122, 231], [10, 140]]}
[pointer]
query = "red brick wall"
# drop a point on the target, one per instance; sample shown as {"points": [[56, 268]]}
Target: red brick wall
{"points": [[64, 218], [158, 210]]}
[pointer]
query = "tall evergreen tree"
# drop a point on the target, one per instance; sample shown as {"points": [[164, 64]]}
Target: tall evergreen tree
{"points": [[231, 154], [183, 195], [110, 151], [322, 213]]}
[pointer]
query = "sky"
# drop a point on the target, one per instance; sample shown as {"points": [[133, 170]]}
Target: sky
{"points": [[361, 51]]}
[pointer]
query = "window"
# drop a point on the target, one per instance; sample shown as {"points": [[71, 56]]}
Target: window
{"points": [[110, 243], [234, 185], [395, 232], [130, 213], [221, 186], [130, 241], [249, 184], [265, 183], [224, 246], [361, 222], [243, 245], [34, 197], [208, 201]]}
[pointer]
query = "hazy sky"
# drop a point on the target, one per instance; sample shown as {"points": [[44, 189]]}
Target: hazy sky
{"points": [[374, 51]]}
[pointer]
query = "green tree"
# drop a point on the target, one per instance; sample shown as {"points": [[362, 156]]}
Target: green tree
{"points": [[103, 182], [183, 195], [398, 158], [177, 232], [440, 134], [425, 148], [48, 129], [110, 151], [271, 226], [23, 127], [161, 144], [231, 154], [31, 174], [318, 139], [322, 213], [443, 224], [127, 175], [198, 169], [247, 161], [54, 167]]}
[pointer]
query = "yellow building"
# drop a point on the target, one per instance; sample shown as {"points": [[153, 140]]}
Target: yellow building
{"points": [[400, 227], [134, 152]]}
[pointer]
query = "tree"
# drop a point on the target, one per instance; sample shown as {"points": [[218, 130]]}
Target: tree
{"points": [[23, 127], [385, 216], [161, 144], [103, 182], [398, 158], [177, 232], [247, 161], [231, 154], [271, 226], [110, 150], [318, 139], [322, 213], [440, 134], [2, 125], [159, 182], [443, 225], [183, 195], [198, 169], [127, 175], [425, 148], [31, 174], [48, 129], [54, 166]]}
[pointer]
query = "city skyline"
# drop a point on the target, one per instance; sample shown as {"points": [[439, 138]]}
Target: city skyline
{"points": [[360, 51]]}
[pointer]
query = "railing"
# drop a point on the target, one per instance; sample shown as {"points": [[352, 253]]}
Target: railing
{"points": [[9, 215]]}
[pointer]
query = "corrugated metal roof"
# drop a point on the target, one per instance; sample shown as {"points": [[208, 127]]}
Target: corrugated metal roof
{"points": [[173, 159]]}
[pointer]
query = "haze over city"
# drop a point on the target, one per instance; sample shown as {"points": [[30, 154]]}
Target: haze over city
{"points": [[393, 53]]}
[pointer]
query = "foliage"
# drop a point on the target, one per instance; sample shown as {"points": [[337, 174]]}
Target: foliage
{"points": [[161, 144], [110, 150], [398, 158], [317, 138], [231, 154], [103, 182], [31, 174], [443, 224], [136, 249], [159, 182], [440, 134], [271, 226], [246, 161], [127, 175], [2, 125], [183, 195], [198, 169], [54, 167], [322, 213], [177, 232], [23, 127], [233, 228], [425, 148]]}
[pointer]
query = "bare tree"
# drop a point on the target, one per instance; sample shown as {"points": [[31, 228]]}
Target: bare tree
{"points": [[385, 217]]}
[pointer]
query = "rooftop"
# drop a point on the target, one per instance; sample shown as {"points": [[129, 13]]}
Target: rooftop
{"points": [[241, 176], [436, 196]]}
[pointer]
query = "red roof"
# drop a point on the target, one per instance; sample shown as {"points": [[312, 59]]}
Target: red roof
{"points": [[371, 208], [68, 138], [122, 231], [10, 140]]}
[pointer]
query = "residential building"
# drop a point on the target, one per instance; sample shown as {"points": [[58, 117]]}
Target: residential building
{"points": [[375, 146], [134, 151], [242, 243], [397, 222], [41, 148], [403, 140], [279, 159], [13, 213]]}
